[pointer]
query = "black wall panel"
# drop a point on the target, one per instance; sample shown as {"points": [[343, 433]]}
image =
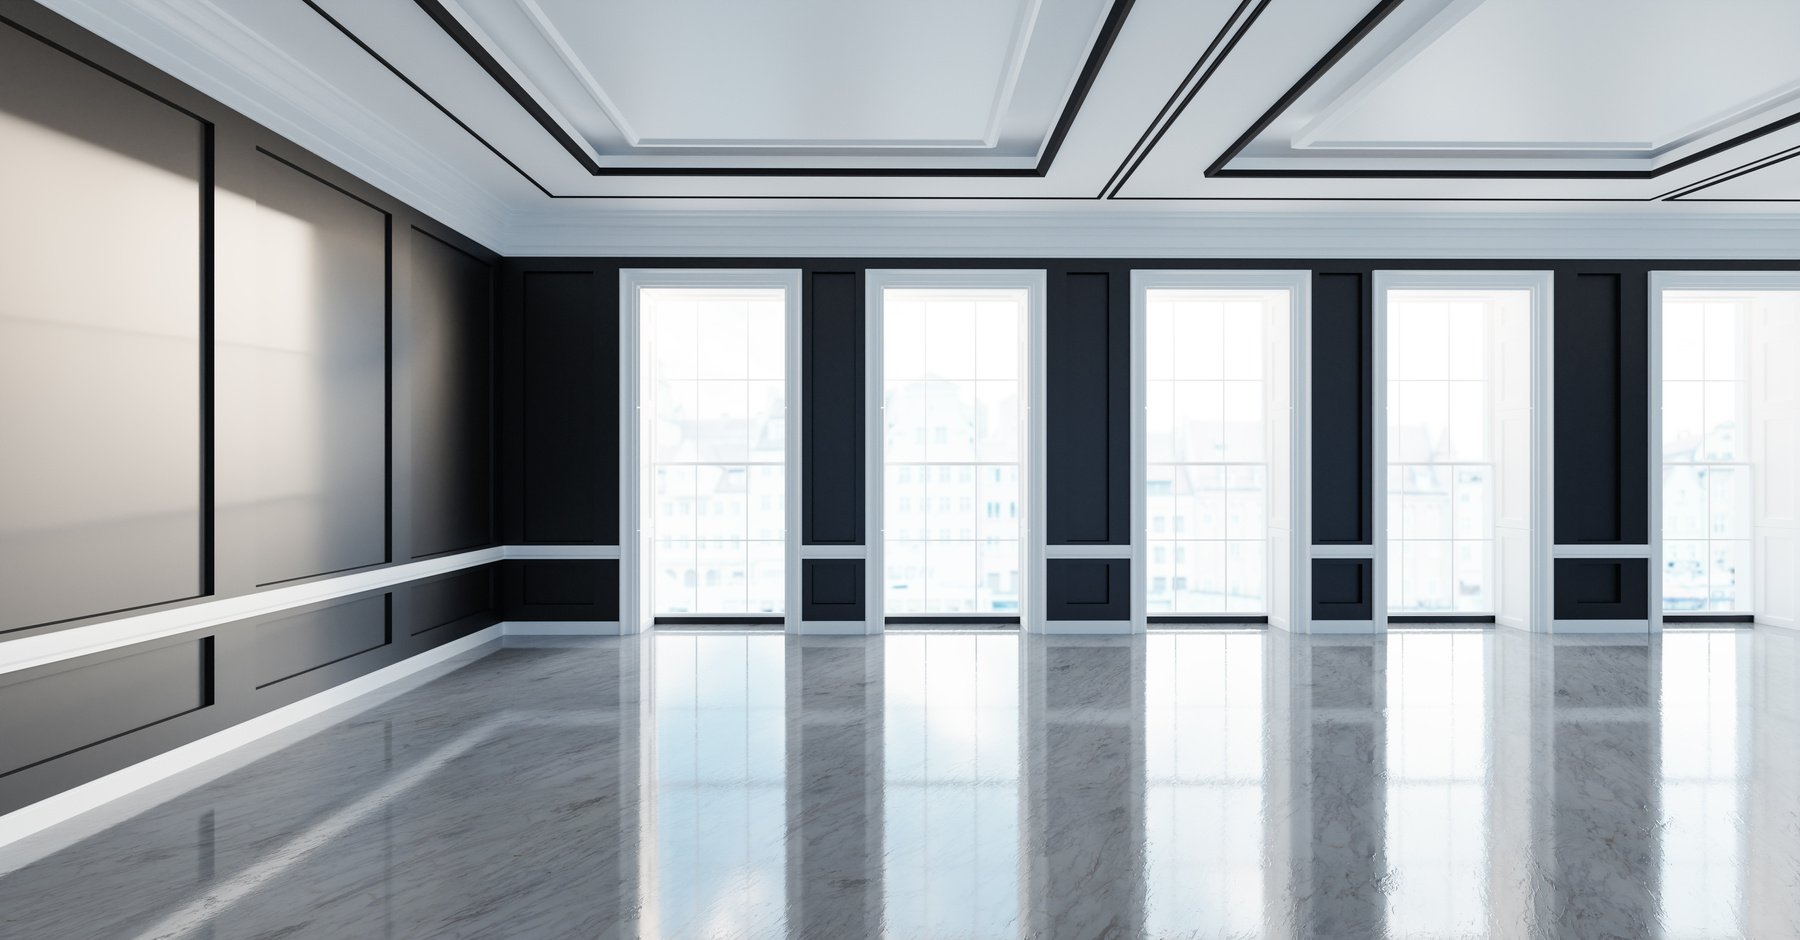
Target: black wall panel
{"points": [[833, 394], [1342, 399], [466, 599], [1088, 589], [831, 589], [1088, 401], [103, 318], [317, 341], [451, 361], [1343, 589], [569, 408], [1601, 375], [561, 590], [197, 325], [56, 710], [297, 642], [1601, 589]]}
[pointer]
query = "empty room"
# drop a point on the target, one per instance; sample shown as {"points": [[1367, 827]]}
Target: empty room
{"points": [[933, 469]]}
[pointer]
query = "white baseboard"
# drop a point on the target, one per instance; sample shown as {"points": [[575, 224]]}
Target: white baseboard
{"points": [[34, 819], [1086, 628], [1640, 627], [562, 628], [837, 628], [1343, 627]]}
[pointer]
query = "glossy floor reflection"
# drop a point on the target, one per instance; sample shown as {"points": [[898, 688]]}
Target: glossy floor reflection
{"points": [[983, 784]]}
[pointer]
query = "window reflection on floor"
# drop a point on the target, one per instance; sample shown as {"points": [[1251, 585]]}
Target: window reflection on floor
{"points": [[1437, 772], [952, 774], [1702, 875], [1204, 763], [718, 805]]}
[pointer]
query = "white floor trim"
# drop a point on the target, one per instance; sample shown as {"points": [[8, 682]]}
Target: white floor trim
{"points": [[31, 820], [1343, 627], [1600, 626], [1087, 628]]}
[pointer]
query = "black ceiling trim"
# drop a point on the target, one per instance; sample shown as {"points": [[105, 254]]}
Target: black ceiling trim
{"points": [[1103, 43], [1220, 167], [1138, 150], [1683, 194], [423, 94]]}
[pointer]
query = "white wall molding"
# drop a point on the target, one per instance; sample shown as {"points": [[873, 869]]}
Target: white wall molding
{"points": [[933, 229], [28, 651], [37, 817]]}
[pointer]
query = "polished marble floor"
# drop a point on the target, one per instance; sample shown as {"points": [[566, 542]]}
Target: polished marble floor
{"points": [[982, 784]]}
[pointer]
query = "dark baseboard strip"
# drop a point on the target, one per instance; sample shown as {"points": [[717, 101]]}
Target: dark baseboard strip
{"points": [[953, 621], [718, 621], [1709, 618], [1441, 618], [1185, 620]]}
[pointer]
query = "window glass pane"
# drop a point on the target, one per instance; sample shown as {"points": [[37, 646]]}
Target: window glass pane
{"points": [[953, 431], [1707, 473], [715, 404], [1442, 400], [1207, 439]]}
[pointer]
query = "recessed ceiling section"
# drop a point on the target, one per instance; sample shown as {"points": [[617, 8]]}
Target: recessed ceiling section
{"points": [[1629, 88], [697, 85]]}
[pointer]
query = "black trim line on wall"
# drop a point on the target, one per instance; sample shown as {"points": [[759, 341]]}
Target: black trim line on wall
{"points": [[1171, 620], [953, 620], [1361, 31], [736, 620], [1103, 43], [1440, 618], [1708, 618]]}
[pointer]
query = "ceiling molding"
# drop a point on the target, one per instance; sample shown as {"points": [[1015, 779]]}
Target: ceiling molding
{"points": [[201, 44], [531, 101], [1100, 230], [1221, 168]]}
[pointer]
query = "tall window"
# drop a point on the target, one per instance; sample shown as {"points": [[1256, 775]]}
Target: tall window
{"points": [[714, 441], [1446, 365], [954, 366], [1706, 466], [1212, 359]]}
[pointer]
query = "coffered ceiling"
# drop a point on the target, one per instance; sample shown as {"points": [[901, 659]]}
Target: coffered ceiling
{"points": [[503, 114]]}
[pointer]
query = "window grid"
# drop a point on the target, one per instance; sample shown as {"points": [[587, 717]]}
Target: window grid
{"points": [[1440, 470], [1706, 531], [1206, 474], [952, 415], [716, 438]]}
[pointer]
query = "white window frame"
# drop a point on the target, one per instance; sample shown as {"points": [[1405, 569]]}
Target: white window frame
{"points": [[1031, 457], [1661, 282], [1541, 285], [1298, 284], [636, 607]]}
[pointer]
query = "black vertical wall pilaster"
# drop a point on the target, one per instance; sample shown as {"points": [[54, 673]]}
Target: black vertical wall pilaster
{"points": [[560, 464], [833, 448], [1601, 376], [1087, 445], [1343, 417]]}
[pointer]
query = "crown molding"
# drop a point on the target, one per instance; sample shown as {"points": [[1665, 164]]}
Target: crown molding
{"points": [[1103, 230], [201, 44]]}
